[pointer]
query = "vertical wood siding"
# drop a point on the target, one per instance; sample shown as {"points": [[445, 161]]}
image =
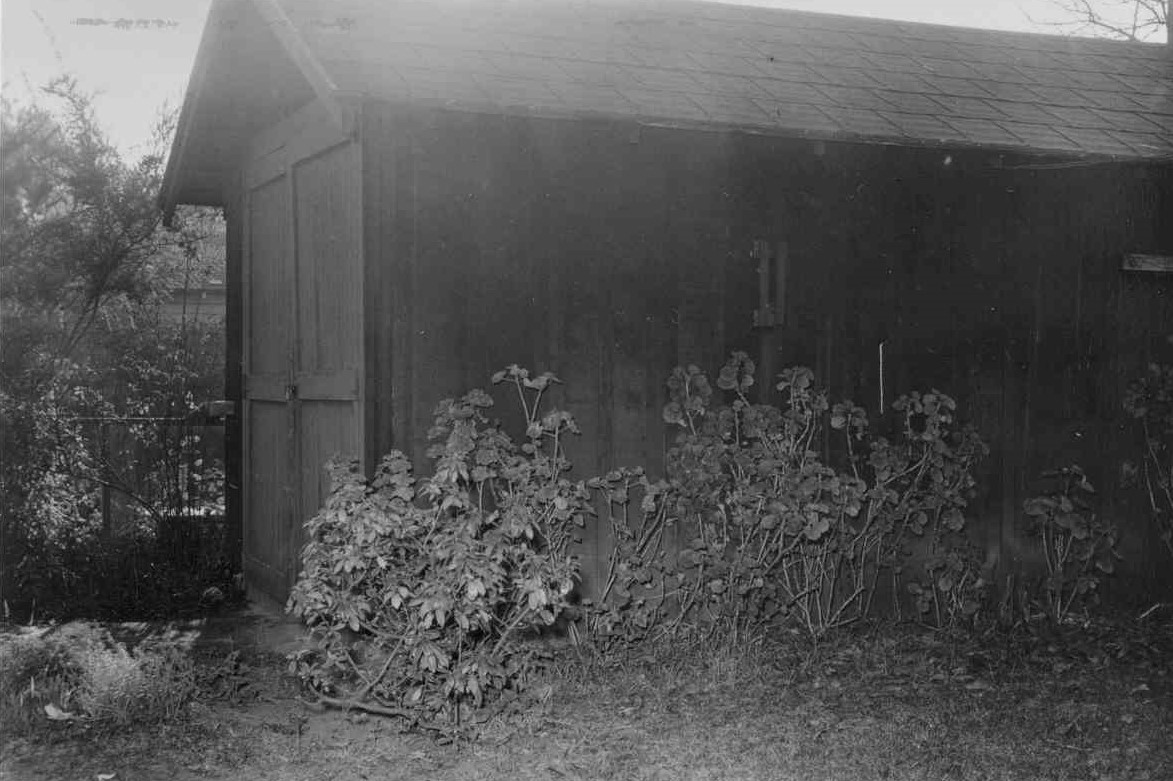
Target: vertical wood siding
{"points": [[609, 254], [580, 249]]}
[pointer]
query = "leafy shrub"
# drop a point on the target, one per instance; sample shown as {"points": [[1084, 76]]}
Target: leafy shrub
{"points": [[765, 517], [80, 674], [952, 590], [1149, 401], [1077, 545], [633, 605], [919, 487], [419, 591], [764, 528]]}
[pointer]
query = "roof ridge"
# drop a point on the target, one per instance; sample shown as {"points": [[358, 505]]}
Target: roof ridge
{"points": [[867, 24]]}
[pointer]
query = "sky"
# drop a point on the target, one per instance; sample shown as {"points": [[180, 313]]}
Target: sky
{"points": [[135, 70]]}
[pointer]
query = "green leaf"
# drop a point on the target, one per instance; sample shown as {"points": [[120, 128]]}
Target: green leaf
{"points": [[816, 527], [1038, 506], [673, 413]]}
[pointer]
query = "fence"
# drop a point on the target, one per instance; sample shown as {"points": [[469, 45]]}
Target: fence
{"points": [[164, 476]]}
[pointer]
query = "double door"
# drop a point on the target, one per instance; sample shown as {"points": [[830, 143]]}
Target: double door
{"points": [[302, 274]]}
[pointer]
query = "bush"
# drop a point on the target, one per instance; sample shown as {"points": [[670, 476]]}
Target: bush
{"points": [[418, 591], [79, 674], [1078, 546], [1149, 401], [766, 530]]}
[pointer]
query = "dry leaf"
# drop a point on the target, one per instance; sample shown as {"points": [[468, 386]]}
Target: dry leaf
{"points": [[56, 714]]}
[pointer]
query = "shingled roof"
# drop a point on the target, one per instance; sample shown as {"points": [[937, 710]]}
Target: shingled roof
{"points": [[689, 63]]}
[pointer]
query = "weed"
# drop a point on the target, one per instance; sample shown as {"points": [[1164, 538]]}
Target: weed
{"points": [[1078, 545], [79, 674]]}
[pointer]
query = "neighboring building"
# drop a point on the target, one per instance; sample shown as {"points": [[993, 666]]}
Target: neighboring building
{"points": [[421, 192], [203, 303], [204, 298]]}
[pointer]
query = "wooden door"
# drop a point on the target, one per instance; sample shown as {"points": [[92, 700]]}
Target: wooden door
{"points": [[327, 320], [302, 336], [268, 423]]}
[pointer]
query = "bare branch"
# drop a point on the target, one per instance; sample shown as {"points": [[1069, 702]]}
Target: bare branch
{"points": [[1128, 20]]}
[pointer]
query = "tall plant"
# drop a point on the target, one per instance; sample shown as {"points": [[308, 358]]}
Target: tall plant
{"points": [[1149, 401], [766, 528], [1078, 545], [418, 591]]}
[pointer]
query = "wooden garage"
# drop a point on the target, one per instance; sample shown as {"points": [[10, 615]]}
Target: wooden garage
{"points": [[421, 192]]}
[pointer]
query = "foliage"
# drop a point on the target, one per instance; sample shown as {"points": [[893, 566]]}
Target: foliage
{"points": [[952, 590], [88, 359], [1149, 401], [418, 591], [765, 529], [631, 609], [101, 478], [919, 487], [78, 674], [1077, 545], [230, 679]]}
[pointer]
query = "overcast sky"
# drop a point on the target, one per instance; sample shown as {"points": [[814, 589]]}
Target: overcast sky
{"points": [[136, 70]]}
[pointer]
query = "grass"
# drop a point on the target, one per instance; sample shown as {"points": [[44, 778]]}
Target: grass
{"points": [[79, 672], [886, 702]]}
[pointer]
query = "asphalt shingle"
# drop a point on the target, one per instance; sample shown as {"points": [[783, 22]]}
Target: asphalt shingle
{"points": [[922, 126], [687, 62]]}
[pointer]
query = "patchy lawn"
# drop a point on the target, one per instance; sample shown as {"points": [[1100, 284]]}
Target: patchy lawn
{"points": [[1087, 702]]}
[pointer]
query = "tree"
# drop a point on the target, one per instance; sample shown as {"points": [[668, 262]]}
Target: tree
{"points": [[1129, 20], [85, 264]]}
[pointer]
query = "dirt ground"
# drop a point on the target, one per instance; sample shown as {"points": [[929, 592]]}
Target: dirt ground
{"points": [[1092, 701]]}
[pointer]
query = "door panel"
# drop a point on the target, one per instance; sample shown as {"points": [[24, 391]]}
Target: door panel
{"points": [[268, 422], [329, 301], [268, 312], [269, 499], [328, 274]]}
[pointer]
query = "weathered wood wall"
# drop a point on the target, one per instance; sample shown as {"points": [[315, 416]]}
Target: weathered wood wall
{"points": [[1000, 282], [608, 254], [582, 249]]}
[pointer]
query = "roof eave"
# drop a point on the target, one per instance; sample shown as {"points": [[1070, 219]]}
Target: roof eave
{"points": [[171, 191], [181, 183], [1059, 156]]}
